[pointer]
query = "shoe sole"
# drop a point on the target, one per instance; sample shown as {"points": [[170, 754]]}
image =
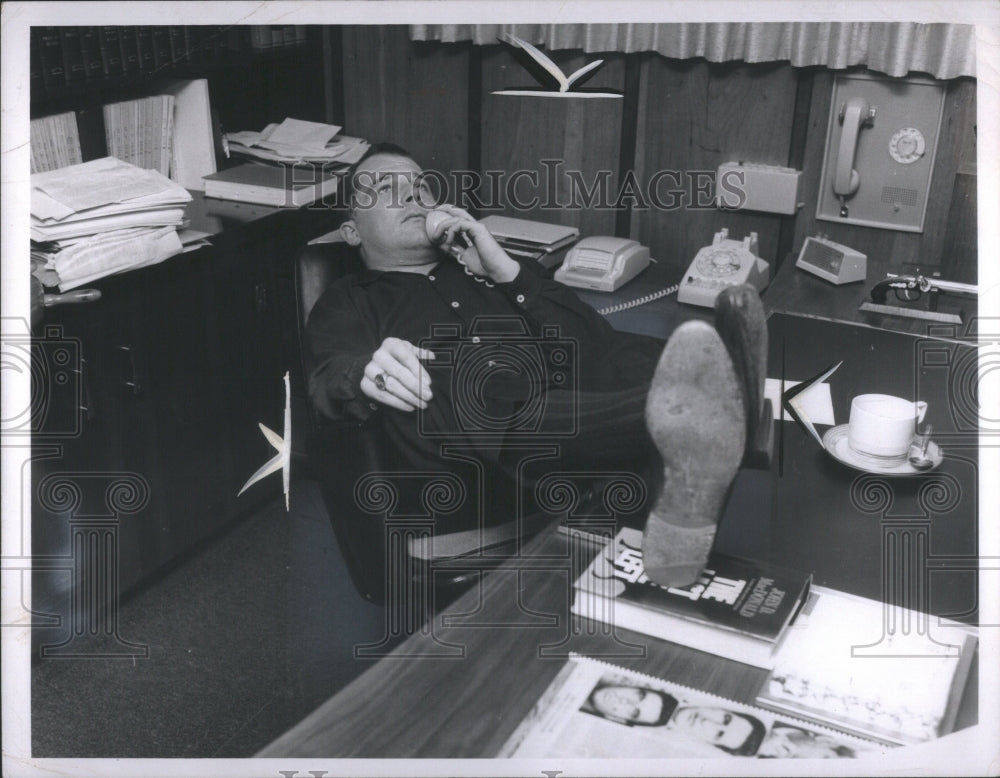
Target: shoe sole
{"points": [[696, 418]]}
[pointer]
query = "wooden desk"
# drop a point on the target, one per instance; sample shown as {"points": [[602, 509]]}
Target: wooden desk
{"points": [[484, 663], [461, 689], [871, 534], [796, 291]]}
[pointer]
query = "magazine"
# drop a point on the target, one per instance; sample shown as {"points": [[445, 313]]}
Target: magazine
{"points": [[597, 710]]}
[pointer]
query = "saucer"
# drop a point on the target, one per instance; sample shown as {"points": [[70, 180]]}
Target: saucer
{"points": [[835, 442]]}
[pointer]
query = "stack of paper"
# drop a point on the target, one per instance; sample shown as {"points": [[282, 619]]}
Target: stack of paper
{"points": [[103, 217], [295, 140]]}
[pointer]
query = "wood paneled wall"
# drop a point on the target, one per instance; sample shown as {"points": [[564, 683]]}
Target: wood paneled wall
{"points": [[522, 133], [693, 116], [435, 99], [408, 93]]}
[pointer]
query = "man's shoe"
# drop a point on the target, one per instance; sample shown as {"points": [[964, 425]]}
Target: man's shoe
{"points": [[695, 415], [740, 320]]}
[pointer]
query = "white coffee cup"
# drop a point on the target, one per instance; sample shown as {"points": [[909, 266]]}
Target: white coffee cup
{"points": [[882, 425]]}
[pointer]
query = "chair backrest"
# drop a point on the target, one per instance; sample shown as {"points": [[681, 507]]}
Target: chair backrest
{"points": [[317, 266]]}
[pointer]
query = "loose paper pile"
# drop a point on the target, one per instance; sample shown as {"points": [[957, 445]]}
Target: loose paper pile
{"points": [[295, 140], [103, 217]]}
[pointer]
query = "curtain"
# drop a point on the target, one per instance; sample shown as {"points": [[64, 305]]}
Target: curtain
{"points": [[893, 48]]}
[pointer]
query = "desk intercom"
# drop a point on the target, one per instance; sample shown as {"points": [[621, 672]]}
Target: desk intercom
{"points": [[831, 261], [725, 263], [603, 263]]}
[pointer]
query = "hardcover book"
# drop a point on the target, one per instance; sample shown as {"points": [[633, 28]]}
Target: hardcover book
{"points": [[278, 185], [737, 608]]}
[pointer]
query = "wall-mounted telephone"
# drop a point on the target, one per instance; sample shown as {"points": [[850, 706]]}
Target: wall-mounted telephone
{"points": [[602, 263], [725, 263], [880, 146], [855, 115]]}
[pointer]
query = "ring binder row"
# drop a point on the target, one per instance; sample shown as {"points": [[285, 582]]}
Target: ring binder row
{"points": [[62, 56]]}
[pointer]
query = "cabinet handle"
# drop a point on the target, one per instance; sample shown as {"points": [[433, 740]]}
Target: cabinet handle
{"points": [[86, 406], [132, 380]]}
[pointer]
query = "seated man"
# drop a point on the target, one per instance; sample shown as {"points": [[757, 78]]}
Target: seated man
{"points": [[615, 402], [620, 401]]}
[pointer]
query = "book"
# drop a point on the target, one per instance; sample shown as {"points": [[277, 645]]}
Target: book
{"points": [[140, 131], [144, 43], [72, 51], [871, 669], [554, 83], [592, 709], [55, 142], [111, 52], [130, 48], [283, 186], [737, 609], [530, 235], [90, 45], [51, 57]]}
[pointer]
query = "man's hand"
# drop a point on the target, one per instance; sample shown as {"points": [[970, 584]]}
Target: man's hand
{"points": [[395, 376], [489, 259]]}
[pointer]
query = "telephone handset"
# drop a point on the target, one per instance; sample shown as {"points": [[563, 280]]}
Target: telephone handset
{"points": [[725, 263], [855, 114], [458, 249]]}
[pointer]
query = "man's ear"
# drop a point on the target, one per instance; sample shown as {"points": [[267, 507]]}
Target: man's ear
{"points": [[349, 232]]}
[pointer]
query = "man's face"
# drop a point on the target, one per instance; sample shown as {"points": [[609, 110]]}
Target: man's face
{"points": [[388, 214], [628, 703], [717, 726]]}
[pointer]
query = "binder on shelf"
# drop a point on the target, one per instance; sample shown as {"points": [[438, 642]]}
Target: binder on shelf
{"points": [[72, 55], [35, 59], [111, 51], [50, 54], [130, 49], [178, 45], [194, 136], [161, 47], [90, 46], [144, 43]]}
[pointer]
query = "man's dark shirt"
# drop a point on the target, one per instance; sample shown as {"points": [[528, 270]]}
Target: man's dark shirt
{"points": [[354, 316]]}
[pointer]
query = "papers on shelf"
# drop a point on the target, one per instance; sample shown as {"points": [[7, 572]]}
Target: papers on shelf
{"points": [[294, 140], [103, 217]]}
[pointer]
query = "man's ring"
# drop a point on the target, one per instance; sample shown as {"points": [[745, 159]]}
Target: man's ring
{"points": [[380, 382]]}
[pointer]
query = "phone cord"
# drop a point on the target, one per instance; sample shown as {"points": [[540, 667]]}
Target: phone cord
{"points": [[638, 301]]}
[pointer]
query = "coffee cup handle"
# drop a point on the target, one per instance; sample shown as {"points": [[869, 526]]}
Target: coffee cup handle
{"points": [[921, 407]]}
